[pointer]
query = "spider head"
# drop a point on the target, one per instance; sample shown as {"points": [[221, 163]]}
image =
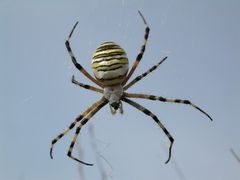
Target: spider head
{"points": [[110, 64]]}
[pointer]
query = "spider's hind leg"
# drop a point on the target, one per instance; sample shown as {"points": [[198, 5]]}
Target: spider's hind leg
{"points": [[74, 60]]}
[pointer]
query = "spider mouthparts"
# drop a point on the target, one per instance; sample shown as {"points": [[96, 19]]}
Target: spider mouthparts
{"points": [[115, 105]]}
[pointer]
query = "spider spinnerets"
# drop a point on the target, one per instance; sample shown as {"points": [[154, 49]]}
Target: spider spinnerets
{"points": [[110, 67]]}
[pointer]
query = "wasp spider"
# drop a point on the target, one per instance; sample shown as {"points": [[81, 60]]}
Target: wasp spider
{"points": [[110, 67]]}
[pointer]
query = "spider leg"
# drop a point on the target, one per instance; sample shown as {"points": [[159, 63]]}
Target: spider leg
{"points": [[78, 66], [138, 78], [121, 107], [235, 155], [82, 123], [86, 86], [154, 117], [72, 125], [139, 56], [159, 98]]}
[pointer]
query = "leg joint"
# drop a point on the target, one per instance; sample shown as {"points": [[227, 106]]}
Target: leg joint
{"points": [[54, 141], [186, 102], [69, 154], [171, 139]]}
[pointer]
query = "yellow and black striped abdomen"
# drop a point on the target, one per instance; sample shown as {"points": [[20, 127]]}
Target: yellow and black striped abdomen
{"points": [[110, 64]]}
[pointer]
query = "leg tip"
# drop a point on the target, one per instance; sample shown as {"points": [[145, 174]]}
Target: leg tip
{"points": [[210, 118], [170, 150], [167, 161], [145, 22], [73, 79], [51, 156], [88, 164]]}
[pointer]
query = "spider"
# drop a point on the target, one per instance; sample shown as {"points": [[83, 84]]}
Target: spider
{"points": [[110, 67]]}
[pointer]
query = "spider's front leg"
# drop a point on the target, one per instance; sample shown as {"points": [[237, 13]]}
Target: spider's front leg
{"points": [[159, 98], [72, 125], [102, 103], [154, 117]]}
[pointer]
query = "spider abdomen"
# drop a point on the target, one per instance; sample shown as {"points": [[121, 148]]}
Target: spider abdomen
{"points": [[110, 64]]}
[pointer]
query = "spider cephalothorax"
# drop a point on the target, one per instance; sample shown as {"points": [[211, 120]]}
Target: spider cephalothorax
{"points": [[110, 67], [114, 94]]}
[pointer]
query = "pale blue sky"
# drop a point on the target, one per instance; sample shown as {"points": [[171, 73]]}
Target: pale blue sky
{"points": [[38, 101]]}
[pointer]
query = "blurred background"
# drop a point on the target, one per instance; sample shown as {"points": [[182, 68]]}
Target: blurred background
{"points": [[38, 100]]}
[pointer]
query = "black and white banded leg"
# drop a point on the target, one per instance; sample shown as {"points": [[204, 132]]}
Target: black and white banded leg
{"points": [[140, 55], [92, 88], [78, 119], [82, 123], [74, 60], [154, 117], [138, 78], [159, 98]]}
